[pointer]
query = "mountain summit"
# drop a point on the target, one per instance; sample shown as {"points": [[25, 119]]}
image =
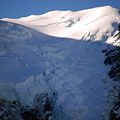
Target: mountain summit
{"points": [[87, 24]]}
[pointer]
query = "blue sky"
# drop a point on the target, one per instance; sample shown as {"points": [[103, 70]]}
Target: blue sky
{"points": [[19, 8]]}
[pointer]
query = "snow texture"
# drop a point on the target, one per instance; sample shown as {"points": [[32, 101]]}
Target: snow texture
{"points": [[74, 70]]}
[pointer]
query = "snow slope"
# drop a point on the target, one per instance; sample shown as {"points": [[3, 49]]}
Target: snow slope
{"points": [[85, 24], [74, 70]]}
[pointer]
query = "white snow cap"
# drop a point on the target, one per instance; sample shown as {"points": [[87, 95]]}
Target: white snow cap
{"points": [[94, 23]]}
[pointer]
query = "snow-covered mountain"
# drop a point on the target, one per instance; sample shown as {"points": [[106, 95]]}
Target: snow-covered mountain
{"points": [[71, 72], [88, 24]]}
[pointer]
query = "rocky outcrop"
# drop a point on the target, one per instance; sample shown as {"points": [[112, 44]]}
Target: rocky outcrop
{"points": [[112, 58], [9, 110], [42, 109]]}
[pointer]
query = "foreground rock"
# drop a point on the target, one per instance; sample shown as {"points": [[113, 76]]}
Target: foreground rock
{"points": [[14, 110]]}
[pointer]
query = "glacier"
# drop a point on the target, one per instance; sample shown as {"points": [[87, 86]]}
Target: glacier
{"points": [[59, 55]]}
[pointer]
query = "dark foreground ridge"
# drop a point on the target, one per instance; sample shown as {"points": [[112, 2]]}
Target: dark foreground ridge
{"points": [[112, 59], [42, 109]]}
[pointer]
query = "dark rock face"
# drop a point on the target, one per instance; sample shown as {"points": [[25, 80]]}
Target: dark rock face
{"points": [[42, 109], [112, 59], [9, 110], [115, 112], [31, 114]]}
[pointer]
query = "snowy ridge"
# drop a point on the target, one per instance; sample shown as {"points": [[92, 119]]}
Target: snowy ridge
{"points": [[76, 25]]}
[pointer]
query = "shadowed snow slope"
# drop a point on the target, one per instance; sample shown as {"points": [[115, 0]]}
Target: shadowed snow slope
{"points": [[39, 63], [36, 63], [93, 23]]}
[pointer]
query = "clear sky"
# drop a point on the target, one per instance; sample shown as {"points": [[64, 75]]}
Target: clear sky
{"points": [[19, 8]]}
